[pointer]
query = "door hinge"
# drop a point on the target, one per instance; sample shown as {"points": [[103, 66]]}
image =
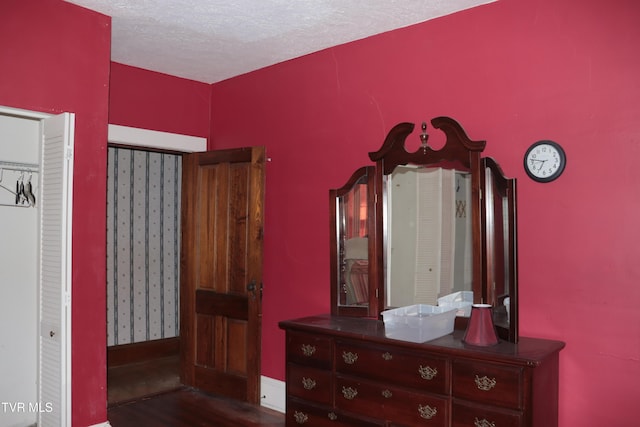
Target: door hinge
{"points": [[68, 155]]}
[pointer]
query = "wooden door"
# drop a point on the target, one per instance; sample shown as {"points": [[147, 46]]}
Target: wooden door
{"points": [[221, 271]]}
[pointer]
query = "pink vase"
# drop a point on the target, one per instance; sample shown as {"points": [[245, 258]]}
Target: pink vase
{"points": [[480, 330]]}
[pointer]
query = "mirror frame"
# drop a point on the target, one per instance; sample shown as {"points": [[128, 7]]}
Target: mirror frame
{"points": [[458, 150], [492, 261], [336, 249]]}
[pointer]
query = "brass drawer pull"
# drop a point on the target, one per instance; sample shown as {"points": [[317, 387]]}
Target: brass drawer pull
{"points": [[300, 417], [308, 383], [387, 356], [485, 383], [387, 394], [427, 412], [332, 416], [349, 393], [308, 349], [349, 358], [427, 372], [483, 423]]}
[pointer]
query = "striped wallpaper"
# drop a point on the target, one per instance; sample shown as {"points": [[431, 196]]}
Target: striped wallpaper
{"points": [[143, 245]]}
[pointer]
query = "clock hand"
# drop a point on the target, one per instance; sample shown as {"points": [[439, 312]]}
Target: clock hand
{"points": [[539, 161]]}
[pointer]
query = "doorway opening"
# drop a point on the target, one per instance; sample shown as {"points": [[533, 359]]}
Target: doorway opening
{"points": [[143, 327], [217, 247], [143, 272]]}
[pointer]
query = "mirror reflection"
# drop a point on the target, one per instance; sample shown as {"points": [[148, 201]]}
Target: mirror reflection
{"points": [[429, 234], [354, 257]]}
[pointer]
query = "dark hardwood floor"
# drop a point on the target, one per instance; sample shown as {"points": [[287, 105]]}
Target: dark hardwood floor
{"points": [[135, 380], [191, 408], [149, 393]]}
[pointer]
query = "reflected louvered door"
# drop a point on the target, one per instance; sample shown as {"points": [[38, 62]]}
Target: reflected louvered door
{"points": [[55, 271]]}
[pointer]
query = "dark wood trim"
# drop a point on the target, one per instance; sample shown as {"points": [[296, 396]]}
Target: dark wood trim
{"points": [[142, 351]]}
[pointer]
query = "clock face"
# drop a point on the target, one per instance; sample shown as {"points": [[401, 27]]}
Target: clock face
{"points": [[544, 161]]}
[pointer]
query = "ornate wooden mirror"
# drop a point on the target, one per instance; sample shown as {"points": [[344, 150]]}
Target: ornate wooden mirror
{"points": [[423, 224]]}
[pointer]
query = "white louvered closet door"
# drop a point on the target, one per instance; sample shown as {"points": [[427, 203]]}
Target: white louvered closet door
{"points": [[55, 271]]}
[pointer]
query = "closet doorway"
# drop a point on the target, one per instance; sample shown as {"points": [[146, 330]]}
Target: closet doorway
{"points": [[36, 170], [18, 268], [213, 342]]}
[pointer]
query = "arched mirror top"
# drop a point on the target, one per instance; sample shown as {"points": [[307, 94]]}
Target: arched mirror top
{"points": [[459, 149], [358, 177]]}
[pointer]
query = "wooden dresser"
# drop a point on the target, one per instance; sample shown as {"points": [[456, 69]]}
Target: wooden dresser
{"points": [[343, 371]]}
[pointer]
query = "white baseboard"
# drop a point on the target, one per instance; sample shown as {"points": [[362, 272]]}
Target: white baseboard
{"points": [[273, 394], [104, 424]]}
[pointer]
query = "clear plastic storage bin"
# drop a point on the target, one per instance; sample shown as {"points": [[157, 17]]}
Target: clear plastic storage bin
{"points": [[461, 300], [418, 323]]}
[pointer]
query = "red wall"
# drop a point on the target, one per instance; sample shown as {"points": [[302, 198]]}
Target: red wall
{"points": [[54, 57], [149, 100], [510, 72]]}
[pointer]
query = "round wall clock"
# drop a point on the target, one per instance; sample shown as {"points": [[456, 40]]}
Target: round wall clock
{"points": [[544, 161]]}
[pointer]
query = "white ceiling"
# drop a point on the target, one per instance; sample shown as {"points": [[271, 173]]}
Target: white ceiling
{"points": [[213, 40]]}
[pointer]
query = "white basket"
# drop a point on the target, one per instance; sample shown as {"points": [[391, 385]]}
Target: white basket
{"points": [[418, 323]]}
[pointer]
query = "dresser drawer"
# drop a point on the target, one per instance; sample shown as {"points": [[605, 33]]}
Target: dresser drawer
{"points": [[466, 414], [309, 349], [399, 367], [309, 383], [488, 383], [404, 407], [301, 413]]}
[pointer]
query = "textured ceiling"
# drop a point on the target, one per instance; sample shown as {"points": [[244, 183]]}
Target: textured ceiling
{"points": [[213, 40]]}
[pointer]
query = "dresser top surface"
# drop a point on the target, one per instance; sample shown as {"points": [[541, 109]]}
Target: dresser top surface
{"points": [[528, 351]]}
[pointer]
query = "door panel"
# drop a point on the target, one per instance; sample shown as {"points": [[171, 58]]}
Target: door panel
{"points": [[222, 219], [56, 183]]}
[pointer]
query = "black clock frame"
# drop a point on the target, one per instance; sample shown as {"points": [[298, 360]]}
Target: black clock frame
{"points": [[556, 174]]}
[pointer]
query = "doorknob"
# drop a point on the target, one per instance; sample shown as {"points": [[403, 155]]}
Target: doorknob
{"points": [[252, 287]]}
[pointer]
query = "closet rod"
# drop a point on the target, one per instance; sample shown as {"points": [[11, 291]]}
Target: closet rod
{"points": [[26, 167]]}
